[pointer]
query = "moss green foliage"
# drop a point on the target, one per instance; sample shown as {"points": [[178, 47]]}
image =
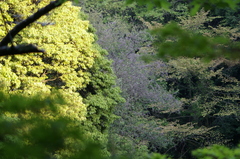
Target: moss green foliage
{"points": [[72, 63]]}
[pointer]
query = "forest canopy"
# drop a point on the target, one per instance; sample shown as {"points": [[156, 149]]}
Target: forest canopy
{"points": [[64, 96]]}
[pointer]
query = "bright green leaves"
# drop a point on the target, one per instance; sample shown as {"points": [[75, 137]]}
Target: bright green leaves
{"points": [[101, 93], [67, 43], [72, 63], [9, 79]]}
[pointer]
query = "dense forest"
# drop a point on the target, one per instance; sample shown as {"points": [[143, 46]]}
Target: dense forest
{"points": [[117, 79]]}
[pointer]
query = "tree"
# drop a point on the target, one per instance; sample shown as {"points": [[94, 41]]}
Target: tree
{"points": [[195, 5], [146, 120], [72, 63], [210, 92], [21, 25], [173, 37]]}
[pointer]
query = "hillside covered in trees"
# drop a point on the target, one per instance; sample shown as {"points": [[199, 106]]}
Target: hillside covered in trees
{"points": [[110, 79]]}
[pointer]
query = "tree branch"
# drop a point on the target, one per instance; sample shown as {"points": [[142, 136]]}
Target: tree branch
{"points": [[12, 33], [19, 49]]}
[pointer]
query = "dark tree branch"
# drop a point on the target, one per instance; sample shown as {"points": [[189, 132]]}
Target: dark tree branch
{"points": [[19, 49], [20, 26]]}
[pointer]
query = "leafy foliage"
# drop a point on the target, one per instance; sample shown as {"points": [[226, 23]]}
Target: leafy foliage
{"points": [[201, 115], [145, 118], [36, 127], [173, 38], [217, 151], [151, 119], [129, 134], [228, 17], [72, 63], [210, 95], [132, 13], [195, 4], [213, 152]]}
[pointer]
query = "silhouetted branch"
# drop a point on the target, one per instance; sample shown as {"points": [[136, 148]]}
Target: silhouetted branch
{"points": [[20, 26], [19, 49]]}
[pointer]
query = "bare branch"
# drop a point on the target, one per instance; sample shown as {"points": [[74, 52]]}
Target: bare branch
{"points": [[20, 26]]}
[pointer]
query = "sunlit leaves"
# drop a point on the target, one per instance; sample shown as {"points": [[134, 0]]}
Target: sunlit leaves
{"points": [[72, 63]]}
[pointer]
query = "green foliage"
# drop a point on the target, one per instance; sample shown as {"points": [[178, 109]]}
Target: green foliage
{"points": [[210, 4], [164, 4], [122, 146], [194, 125], [199, 82], [228, 18], [195, 37], [72, 63], [159, 156], [210, 95], [172, 37], [35, 127], [132, 13], [211, 152], [217, 151], [149, 110], [195, 4], [198, 44]]}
